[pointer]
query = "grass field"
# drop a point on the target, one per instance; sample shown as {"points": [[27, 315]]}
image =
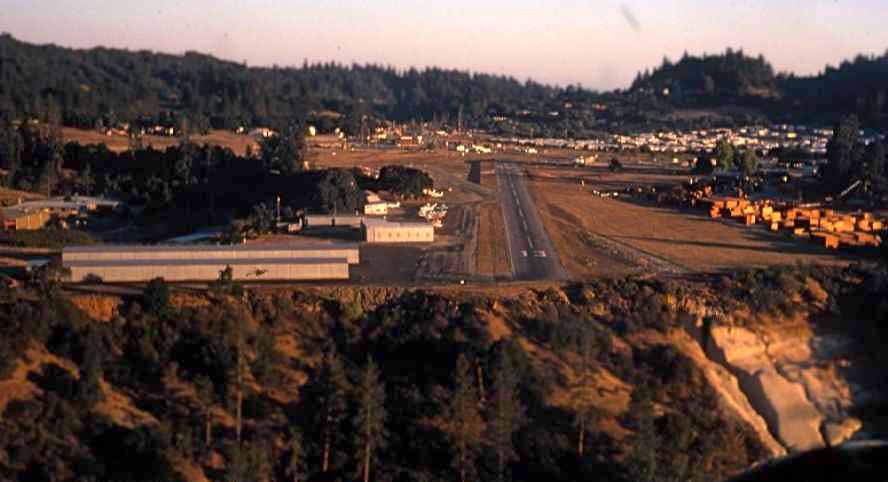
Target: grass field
{"points": [[598, 236]]}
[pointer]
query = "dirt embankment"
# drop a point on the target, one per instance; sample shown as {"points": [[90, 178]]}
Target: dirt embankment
{"points": [[796, 379], [789, 378]]}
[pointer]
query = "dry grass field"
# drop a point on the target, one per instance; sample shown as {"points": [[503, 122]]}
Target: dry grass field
{"points": [[236, 142], [493, 258], [600, 178], [598, 236]]}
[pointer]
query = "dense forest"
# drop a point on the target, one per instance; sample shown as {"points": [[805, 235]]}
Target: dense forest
{"points": [[370, 384], [194, 92], [731, 75], [854, 87], [103, 86]]}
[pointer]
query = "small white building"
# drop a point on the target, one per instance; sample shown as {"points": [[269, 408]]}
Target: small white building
{"points": [[382, 231], [376, 209]]}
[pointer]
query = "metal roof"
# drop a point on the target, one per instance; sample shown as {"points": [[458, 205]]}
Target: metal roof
{"points": [[202, 262], [384, 223], [140, 248]]}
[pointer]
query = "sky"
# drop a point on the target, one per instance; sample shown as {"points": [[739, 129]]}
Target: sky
{"points": [[600, 44]]}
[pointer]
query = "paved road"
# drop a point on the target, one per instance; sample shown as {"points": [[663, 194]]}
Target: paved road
{"points": [[531, 251]]}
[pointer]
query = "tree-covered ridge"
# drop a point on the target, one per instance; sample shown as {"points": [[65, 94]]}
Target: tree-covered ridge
{"points": [[81, 87], [856, 87], [732, 74]]}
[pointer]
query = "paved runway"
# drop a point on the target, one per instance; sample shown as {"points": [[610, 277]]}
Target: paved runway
{"points": [[531, 252]]}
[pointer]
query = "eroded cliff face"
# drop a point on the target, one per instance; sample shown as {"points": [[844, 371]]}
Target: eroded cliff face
{"points": [[797, 380], [733, 398]]}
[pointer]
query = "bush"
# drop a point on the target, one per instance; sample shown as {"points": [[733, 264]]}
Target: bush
{"points": [[93, 279], [156, 298], [404, 181]]}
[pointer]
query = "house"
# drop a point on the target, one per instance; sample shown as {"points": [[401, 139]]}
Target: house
{"points": [[262, 132]]}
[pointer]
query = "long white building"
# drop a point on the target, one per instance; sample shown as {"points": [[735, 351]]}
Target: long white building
{"points": [[203, 263]]}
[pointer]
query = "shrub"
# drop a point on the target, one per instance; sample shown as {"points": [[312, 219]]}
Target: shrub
{"points": [[93, 279], [156, 298]]}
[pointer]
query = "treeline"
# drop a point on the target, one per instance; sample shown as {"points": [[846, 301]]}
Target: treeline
{"points": [[854, 87], [101, 86], [859, 86], [850, 159]]}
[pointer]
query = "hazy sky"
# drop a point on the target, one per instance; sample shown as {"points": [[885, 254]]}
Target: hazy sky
{"points": [[598, 43]]}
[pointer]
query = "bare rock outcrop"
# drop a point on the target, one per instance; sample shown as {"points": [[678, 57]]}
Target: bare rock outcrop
{"points": [[731, 396], [792, 418], [790, 378]]}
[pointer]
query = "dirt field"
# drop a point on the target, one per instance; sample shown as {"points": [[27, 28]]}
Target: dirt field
{"points": [[236, 142], [493, 255], [600, 178], [597, 236], [493, 258], [11, 196]]}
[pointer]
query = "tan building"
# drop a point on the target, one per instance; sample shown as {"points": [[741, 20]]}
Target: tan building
{"points": [[17, 219], [382, 231]]}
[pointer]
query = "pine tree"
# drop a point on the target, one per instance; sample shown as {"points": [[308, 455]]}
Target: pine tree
{"points": [[725, 154], [585, 411], [184, 164], [749, 162], [842, 150], [234, 335], [89, 386], [239, 368], [506, 415], [642, 457], [205, 394], [13, 152], [85, 180], [47, 180], [327, 399], [296, 458], [464, 423], [370, 419], [874, 159]]}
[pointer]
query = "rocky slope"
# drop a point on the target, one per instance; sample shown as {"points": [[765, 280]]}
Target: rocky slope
{"points": [[622, 380]]}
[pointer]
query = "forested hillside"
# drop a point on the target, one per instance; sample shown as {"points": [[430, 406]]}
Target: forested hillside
{"points": [[82, 87], [854, 87], [859, 86], [101, 87], [731, 76], [587, 382]]}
